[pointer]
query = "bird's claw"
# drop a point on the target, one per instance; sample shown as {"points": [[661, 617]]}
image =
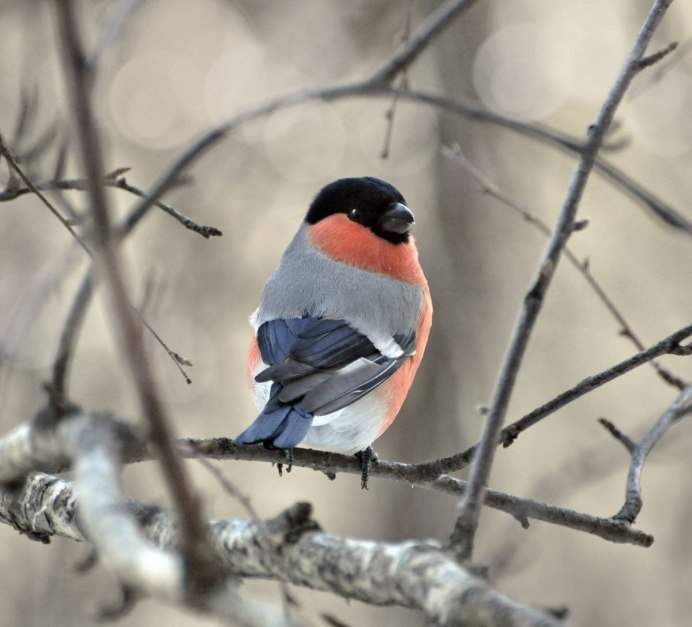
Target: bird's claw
{"points": [[366, 457]]}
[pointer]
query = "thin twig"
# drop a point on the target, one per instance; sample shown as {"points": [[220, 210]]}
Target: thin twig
{"points": [[376, 84], [625, 440], [623, 182], [633, 499], [265, 538], [84, 296], [201, 568], [511, 432], [229, 486], [14, 166], [654, 58], [532, 218], [403, 80], [433, 25], [463, 536], [369, 87], [118, 182], [187, 222]]}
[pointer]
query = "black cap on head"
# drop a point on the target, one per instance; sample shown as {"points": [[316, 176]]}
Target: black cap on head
{"points": [[369, 201]]}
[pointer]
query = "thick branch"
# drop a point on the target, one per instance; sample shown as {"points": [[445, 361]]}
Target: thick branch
{"points": [[408, 574], [105, 517]]}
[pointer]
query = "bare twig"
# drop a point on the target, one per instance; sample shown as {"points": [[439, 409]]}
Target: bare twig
{"points": [[187, 222], [511, 432], [618, 435], [659, 72], [462, 538], [403, 80], [633, 499], [433, 25], [117, 182], [233, 490], [229, 486], [333, 463], [376, 84], [553, 137], [626, 329], [201, 569], [654, 58], [14, 166], [665, 346]]}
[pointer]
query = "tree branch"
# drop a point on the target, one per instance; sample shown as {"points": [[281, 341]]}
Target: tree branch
{"points": [[93, 443], [633, 499], [199, 558], [511, 432], [529, 216], [287, 548], [463, 536], [32, 446], [409, 574], [116, 182]]}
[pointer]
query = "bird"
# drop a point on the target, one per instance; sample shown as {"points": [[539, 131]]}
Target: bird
{"points": [[342, 324]]}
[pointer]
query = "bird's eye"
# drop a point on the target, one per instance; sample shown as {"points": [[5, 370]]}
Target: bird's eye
{"points": [[356, 215]]}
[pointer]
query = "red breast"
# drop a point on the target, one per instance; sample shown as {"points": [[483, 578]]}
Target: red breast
{"points": [[351, 243]]}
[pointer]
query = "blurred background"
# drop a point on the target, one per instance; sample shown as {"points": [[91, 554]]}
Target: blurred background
{"points": [[178, 68]]}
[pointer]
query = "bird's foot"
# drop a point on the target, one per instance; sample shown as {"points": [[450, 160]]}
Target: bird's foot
{"points": [[366, 457], [288, 454]]}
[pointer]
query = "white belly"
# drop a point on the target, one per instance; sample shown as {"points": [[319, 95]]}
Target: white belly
{"points": [[346, 430]]}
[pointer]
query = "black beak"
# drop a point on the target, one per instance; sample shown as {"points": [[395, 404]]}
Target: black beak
{"points": [[397, 219]]}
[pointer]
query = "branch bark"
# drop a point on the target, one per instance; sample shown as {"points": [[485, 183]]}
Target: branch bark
{"points": [[44, 506], [409, 574]]}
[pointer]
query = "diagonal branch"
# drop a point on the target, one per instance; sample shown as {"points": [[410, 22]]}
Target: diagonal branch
{"points": [[626, 329], [430, 29], [473, 110], [463, 536], [201, 570], [511, 432], [376, 83]]}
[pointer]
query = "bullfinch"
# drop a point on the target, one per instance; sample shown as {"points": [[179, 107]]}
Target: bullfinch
{"points": [[342, 323]]}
